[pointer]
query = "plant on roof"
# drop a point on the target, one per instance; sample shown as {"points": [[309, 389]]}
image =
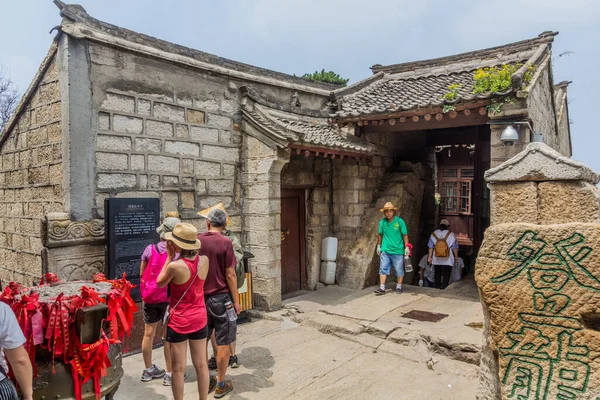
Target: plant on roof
{"points": [[326, 76], [495, 80], [451, 95]]}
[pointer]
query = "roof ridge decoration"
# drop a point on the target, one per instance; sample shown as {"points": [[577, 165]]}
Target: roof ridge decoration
{"points": [[540, 163], [546, 37], [78, 23]]}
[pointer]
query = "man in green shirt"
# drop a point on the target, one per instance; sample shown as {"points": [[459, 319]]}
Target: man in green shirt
{"points": [[392, 247]]}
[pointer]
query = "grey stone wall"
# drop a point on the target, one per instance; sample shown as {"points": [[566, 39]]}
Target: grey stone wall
{"points": [[355, 187], [540, 107], [170, 132], [185, 155], [31, 180]]}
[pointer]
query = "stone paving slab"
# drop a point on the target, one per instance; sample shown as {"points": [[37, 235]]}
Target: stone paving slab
{"points": [[282, 360]]}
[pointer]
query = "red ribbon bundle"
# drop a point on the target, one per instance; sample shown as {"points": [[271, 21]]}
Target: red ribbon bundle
{"points": [[58, 329], [52, 325], [120, 308], [26, 310], [90, 361]]}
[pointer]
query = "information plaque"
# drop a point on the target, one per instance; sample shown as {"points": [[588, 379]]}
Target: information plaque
{"points": [[130, 225]]}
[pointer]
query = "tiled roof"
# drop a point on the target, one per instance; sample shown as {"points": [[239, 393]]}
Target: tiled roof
{"points": [[286, 128], [423, 84]]}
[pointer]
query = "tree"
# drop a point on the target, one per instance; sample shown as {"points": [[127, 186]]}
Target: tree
{"points": [[9, 97], [326, 76]]}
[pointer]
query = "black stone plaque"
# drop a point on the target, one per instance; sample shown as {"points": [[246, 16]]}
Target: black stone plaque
{"points": [[130, 226]]}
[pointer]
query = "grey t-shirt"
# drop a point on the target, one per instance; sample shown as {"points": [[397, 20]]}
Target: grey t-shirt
{"points": [[11, 335]]}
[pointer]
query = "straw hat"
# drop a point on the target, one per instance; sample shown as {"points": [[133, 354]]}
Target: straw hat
{"points": [[185, 236], [167, 226], [388, 206], [220, 206]]}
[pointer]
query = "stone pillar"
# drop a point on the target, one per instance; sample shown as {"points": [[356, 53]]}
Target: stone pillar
{"points": [[538, 273], [261, 208], [74, 250]]}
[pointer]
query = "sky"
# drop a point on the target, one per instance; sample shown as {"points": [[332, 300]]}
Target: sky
{"points": [[346, 36]]}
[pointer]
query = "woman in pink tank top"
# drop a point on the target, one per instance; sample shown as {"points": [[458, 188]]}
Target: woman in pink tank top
{"points": [[187, 310]]}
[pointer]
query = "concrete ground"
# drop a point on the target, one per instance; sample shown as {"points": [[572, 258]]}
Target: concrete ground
{"points": [[337, 343]]}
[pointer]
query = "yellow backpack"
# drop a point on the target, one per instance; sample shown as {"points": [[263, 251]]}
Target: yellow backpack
{"points": [[441, 248]]}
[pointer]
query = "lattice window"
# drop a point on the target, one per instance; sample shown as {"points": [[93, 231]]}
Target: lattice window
{"points": [[456, 190]]}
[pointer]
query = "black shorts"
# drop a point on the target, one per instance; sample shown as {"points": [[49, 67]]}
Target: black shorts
{"points": [[174, 337], [154, 312], [219, 319]]}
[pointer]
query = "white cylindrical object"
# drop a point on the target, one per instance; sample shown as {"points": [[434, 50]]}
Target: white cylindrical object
{"points": [[329, 247], [328, 272]]}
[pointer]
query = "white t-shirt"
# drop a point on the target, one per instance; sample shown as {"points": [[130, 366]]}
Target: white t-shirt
{"points": [[457, 272], [452, 244], [11, 335]]}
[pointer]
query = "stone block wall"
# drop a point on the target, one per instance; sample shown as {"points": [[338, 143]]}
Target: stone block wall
{"points": [[31, 178], [355, 186], [541, 108], [165, 147], [314, 175], [261, 210]]}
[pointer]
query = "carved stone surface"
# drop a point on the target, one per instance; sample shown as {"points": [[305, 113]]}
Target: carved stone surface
{"points": [[75, 262], [541, 286], [61, 231]]}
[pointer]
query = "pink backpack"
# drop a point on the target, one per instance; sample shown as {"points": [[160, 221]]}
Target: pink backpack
{"points": [[150, 292]]}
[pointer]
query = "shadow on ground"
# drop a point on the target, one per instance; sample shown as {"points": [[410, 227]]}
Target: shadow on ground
{"points": [[260, 361]]}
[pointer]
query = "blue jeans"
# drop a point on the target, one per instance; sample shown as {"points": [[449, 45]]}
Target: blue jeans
{"points": [[387, 260]]}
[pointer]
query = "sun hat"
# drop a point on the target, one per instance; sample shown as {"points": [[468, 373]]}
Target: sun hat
{"points": [[204, 213], [388, 206], [445, 222], [185, 236], [167, 226]]}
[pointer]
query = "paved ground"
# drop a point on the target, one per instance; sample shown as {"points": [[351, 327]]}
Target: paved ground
{"points": [[336, 343]]}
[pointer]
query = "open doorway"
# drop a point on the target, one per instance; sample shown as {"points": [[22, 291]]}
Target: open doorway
{"points": [[462, 156]]}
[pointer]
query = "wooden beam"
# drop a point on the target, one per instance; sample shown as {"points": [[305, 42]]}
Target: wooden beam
{"points": [[392, 121], [452, 114], [427, 117], [410, 113], [415, 118], [446, 122], [439, 116]]}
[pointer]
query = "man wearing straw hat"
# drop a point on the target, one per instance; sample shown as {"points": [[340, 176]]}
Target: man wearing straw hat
{"points": [[392, 247], [241, 276], [221, 292]]}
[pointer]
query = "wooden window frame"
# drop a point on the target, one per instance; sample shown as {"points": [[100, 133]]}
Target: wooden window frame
{"points": [[458, 181]]}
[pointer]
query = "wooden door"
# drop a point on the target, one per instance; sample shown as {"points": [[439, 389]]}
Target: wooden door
{"points": [[293, 266]]}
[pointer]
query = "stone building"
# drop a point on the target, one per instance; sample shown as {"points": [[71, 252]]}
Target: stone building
{"points": [[115, 113]]}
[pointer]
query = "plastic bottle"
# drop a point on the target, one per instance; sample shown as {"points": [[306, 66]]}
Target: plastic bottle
{"points": [[408, 264]]}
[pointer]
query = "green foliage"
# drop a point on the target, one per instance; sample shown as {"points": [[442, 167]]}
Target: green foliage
{"points": [[451, 95], [326, 76], [498, 80], [496, 105]]}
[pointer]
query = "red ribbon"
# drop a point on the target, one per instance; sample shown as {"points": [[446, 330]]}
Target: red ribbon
{"points": [[51, 325]]}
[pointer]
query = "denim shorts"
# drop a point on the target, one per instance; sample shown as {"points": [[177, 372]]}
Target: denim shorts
{"points": [[387, 260]]}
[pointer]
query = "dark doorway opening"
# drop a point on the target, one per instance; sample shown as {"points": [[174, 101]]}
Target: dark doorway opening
{"points": [[293, 241]]}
